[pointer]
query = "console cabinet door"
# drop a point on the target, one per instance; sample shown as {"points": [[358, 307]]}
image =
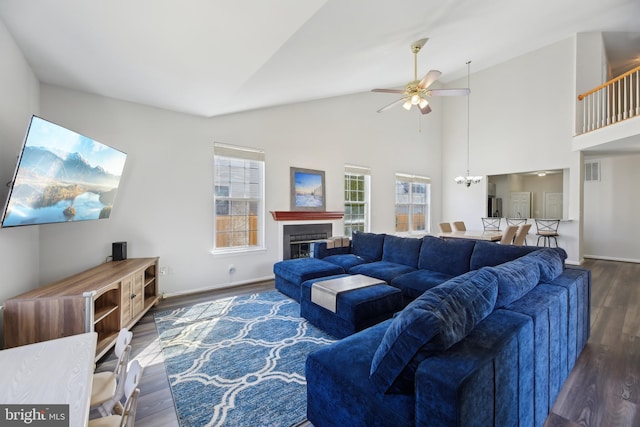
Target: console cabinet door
{"points": [[125, 306], [138, 293]]}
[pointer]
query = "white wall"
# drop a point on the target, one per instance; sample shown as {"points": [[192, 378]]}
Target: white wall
{"points": [[19, 253], [164, 206], [521, 120], [610, 209], [591, 68]]}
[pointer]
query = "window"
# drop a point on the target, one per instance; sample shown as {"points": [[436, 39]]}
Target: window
{"points": [[413, 197], [356, 199], [238, 198]]}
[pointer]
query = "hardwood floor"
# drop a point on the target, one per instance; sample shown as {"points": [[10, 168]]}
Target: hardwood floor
{"points": [[603, 389], [604, 386]]}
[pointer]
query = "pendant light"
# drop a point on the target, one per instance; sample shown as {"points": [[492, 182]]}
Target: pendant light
{"points": [[468, 179]]}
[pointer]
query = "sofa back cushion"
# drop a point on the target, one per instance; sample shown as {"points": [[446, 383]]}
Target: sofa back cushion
{"points": [[401, 250], [515, 278], [449, 256], [433, 322], [488, 254], [550, 261], [368, 246]]}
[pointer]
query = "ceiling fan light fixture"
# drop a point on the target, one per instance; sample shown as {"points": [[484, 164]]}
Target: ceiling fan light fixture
{"points": [[415, 92]]}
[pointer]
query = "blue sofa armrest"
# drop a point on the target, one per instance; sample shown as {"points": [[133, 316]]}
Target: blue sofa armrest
{"points": [[474, 383], [319, 250]]}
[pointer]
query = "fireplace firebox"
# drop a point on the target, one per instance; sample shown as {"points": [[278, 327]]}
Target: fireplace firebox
{"points": [[297, 239]]}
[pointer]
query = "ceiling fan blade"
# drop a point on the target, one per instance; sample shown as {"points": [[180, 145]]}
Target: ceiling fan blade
{"points": [[448, 92], [388, 90], [393, 104], [425, 110], [429, 78]]}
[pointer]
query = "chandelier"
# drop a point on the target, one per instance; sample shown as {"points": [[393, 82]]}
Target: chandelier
{"points": [[468, 179]]}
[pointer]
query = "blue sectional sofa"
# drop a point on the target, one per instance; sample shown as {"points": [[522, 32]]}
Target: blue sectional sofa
{"points": [[488, 336]]}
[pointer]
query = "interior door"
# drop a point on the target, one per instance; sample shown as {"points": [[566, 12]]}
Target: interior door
{"points": [[520, 204], [553, 205]]}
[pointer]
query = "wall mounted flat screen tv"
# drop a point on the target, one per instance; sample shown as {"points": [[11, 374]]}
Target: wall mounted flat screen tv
{"points": [[62, 176]]}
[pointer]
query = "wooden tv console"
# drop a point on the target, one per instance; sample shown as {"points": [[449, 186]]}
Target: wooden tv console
{"points": [[103, 299]]}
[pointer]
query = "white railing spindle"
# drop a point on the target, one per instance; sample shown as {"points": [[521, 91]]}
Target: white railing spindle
{"points": [[611, 102], [638, 92]]}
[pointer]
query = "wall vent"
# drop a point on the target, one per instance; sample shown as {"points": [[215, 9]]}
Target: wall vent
{"points": [[591, 170]]}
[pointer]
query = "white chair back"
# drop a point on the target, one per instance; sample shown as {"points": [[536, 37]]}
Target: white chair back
{"points": [[134, 373], [124, 339]]}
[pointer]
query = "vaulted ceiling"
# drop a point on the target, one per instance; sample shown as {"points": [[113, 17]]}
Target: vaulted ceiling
{"points": [[213, 57]]}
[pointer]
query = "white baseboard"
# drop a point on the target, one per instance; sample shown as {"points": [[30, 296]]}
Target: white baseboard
{"points": [[609, 258], [218, 287]]}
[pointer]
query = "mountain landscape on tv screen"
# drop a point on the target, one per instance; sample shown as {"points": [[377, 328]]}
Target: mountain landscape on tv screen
{"points": [[50, 188]]}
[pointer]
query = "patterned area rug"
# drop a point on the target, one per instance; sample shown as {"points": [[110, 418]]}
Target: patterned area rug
{"points": [[239, 361]]}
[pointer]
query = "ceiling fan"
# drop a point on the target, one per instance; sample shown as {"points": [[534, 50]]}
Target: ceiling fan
{"points": [[416, 92]]}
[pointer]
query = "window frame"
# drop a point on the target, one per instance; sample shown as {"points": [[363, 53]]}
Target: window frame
{"points": [[411, 180], [365, 173], [247, 156]]}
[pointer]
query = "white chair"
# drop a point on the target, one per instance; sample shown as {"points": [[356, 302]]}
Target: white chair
{"points": [[108, 387], [509, 233], [459, 226], [521, 235], [445, 227], [132, 391]]}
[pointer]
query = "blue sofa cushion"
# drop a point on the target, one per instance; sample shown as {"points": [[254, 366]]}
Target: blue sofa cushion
{"points": [[488, 254], [415, 283], [550, 261], [367, 246], [435, 321], [302, 269], [449, 256], [339, 392], [515, 279], [345, 261], [401, 250], [383, 270]]}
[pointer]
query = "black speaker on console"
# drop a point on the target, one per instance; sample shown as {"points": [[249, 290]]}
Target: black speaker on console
{"points": [[119, 251]]}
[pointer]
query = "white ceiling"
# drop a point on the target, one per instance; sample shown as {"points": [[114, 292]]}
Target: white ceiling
{"points": [[212, 57]]}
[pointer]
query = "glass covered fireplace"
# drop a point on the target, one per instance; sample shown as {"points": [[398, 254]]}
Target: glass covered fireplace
{"points": [[297, 239]]}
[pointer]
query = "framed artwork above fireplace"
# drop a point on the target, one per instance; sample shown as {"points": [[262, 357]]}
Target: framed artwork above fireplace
{"points": [[307, 190]]}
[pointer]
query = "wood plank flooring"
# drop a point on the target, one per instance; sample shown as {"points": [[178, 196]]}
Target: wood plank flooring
{"points": [[603, 389]]}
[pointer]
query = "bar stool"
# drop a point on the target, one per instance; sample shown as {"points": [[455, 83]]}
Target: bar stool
{"points": [[547, 230], [491, 224], [516, 221]]}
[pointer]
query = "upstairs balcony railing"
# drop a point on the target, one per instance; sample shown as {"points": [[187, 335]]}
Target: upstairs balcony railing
{"points": [[611, 102]]}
